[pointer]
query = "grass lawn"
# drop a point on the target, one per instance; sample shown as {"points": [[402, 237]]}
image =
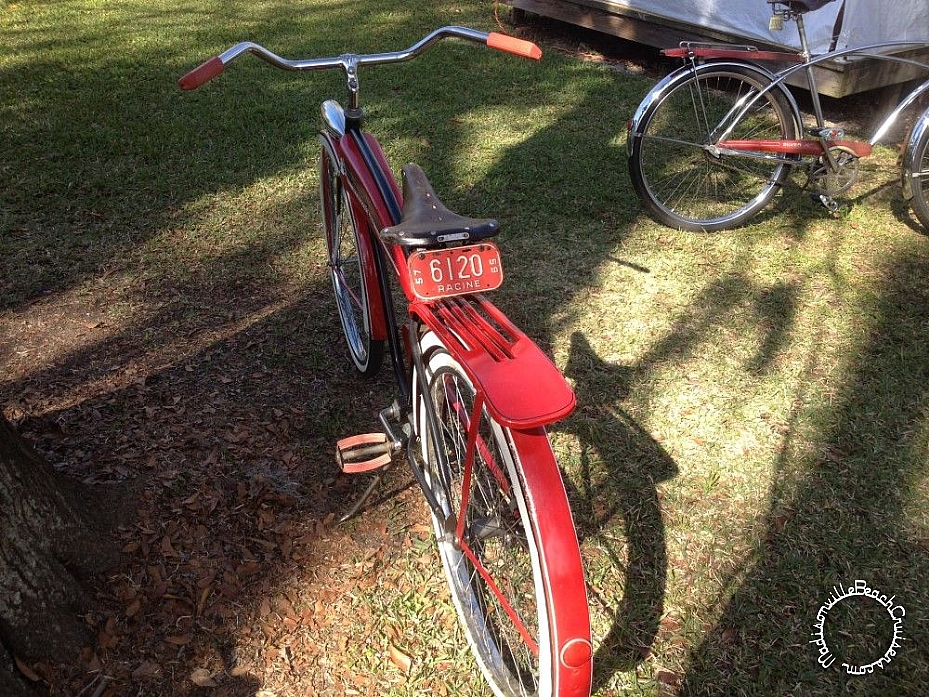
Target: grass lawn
{"points": [[752, 427]]}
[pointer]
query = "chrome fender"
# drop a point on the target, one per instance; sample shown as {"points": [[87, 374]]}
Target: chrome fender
{"points": [[333, 117], [909, 153], [672, 80]]}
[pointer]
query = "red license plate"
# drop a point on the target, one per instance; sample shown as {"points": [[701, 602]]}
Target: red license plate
{"points": [[440, 273]]}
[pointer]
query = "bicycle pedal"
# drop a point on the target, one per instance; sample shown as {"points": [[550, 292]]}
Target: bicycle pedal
{"points": [[827, 202], [363, 453], [776, 23]]}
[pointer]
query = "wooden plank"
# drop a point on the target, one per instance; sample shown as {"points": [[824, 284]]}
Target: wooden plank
{"points": [[633, 25], [834, 79]]}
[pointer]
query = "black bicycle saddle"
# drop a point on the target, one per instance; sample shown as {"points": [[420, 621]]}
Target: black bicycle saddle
{"points": [[426, 221]]}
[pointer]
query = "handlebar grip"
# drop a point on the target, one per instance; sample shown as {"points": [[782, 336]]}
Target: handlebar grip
{"points": [[202, 74], [510, 44]]}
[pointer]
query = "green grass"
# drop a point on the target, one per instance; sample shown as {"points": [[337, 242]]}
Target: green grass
{"points": [[753, 419]]}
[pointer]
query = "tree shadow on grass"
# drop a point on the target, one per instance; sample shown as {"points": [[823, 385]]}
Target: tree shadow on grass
{"points": [[615, 477], [854, 515], [260, 355], [102, 150]]}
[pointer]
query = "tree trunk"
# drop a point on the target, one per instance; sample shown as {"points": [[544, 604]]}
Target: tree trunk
{"points": [[52, 539]]}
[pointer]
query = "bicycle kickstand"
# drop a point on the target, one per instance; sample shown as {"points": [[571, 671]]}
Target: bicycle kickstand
{"points": [[369, 452]]}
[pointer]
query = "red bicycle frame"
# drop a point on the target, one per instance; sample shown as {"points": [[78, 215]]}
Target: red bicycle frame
{"points": [[494, 353], [497, 356], [517, 384]]}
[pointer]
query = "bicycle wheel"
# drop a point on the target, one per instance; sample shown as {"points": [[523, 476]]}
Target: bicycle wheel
{"points": [[918, 172], [347, 270], [681, 182], [495, 569]]}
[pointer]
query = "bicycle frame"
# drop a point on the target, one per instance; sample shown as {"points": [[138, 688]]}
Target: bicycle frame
{"points": [[495, 355], [787, 150], [478, 335]]}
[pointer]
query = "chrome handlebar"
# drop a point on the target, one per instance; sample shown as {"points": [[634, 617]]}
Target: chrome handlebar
{"points": [[350, 62]]}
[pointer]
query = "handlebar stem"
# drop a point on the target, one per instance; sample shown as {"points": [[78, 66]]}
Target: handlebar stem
{"points": [[350, 64]]}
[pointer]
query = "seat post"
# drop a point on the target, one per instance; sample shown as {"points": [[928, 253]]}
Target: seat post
{"points": [[810, 77]]}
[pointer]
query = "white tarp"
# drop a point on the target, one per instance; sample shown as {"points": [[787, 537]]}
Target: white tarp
{"points": [[860, 22]]}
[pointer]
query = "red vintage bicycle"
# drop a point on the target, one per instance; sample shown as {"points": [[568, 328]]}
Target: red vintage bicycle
{"points": [[474, 393]]}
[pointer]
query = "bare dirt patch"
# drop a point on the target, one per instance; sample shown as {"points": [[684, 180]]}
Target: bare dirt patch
{"points": [[234, 577]]}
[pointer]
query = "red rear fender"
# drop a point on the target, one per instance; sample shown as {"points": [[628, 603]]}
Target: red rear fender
{"points": [[522, 388]]}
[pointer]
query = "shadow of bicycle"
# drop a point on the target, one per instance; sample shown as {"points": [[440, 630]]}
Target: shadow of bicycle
{"points": [[617, 509]]}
